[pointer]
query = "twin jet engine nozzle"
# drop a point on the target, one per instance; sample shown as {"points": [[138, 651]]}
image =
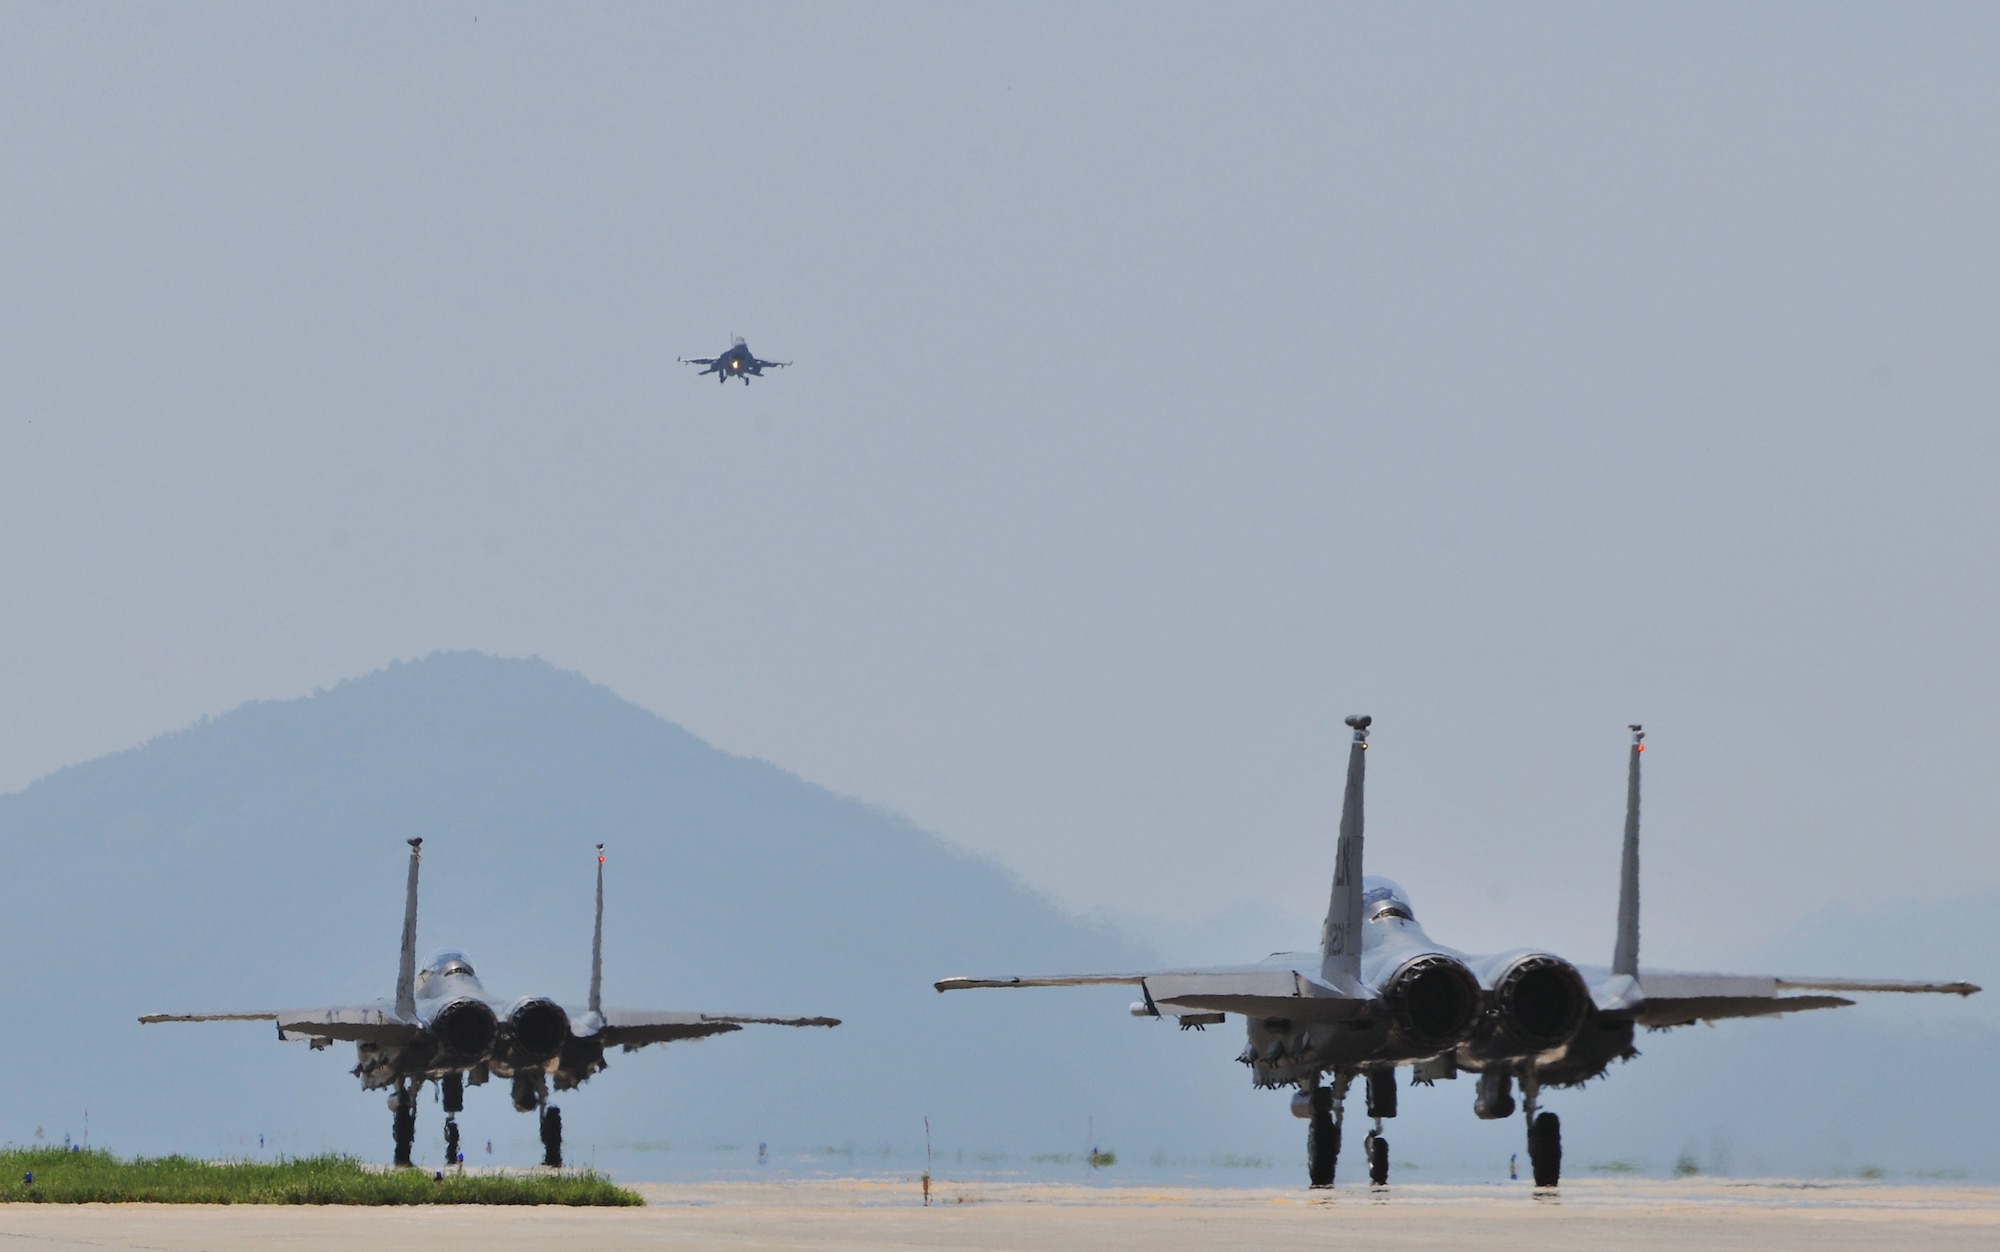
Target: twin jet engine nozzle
{"points": [[1537, 1004], [468, 1032], [464, 1028], [1433, 1000], [537, 1029]]}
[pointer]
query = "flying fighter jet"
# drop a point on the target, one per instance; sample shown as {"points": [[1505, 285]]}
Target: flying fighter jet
{"points": [[1380, 993], [738, 362], [444, 1026]]}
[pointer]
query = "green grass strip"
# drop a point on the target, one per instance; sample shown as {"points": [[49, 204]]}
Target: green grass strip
{"points": [[98, 1177]]}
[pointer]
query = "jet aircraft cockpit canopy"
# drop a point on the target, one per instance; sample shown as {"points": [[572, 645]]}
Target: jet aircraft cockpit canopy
{"points": [[447, 964], [1382, 898]]}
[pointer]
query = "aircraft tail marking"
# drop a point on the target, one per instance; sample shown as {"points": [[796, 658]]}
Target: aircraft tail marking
{"points": [[597, 940], [406, 972], [1340, 937], [1625, 957]]}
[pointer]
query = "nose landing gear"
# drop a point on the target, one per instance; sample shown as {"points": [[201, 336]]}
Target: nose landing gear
{"points": [[1381, 1104], [1378, 1157]]}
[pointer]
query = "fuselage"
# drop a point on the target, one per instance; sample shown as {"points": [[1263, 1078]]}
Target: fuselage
{"points": [[1431, 1002], [466, 1029]]}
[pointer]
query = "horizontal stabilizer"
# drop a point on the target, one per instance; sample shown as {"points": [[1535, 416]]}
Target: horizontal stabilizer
{"points": [[635, 1028], [362, 1023], [772, 1021], [1251, 990], [1042, 980], [154, 1019], [1692, 1009], [1669, 998], [1878, 984]]}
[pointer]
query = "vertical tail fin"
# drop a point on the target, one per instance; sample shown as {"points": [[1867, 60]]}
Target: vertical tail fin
{"points": [[1340, 937], [1625, 957], [597, 941], [406, 972]]}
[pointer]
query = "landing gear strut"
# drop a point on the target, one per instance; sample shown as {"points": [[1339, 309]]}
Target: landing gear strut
{"points": [[1378, 1158], [404, 1105], [453, 1089], [1381, 1104], [1323, 1130], [1545, 1149], [1322, 1140], [552, 1137]]}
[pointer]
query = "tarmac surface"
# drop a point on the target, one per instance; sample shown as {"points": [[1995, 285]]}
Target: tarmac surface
{"points": [[887, 1213]]}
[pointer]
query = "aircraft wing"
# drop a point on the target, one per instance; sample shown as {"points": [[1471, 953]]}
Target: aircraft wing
{"points": [[358, 1023], [772, 365], [1252, 990], [1670, 998], [635, 1028], [698, 360]]}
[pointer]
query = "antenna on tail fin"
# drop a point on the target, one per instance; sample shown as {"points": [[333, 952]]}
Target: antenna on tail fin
{"points": [[1625, 957], [597, 940], [1340, 937], [406, 972]]}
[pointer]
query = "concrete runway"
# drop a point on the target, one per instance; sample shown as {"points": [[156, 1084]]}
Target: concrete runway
{"points": [[885, 1213]]}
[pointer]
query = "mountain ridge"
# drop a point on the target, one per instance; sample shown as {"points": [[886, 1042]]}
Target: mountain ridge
{"points": [[257, 859], [254, 859]]}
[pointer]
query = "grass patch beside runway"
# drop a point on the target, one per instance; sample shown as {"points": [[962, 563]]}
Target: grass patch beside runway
{"points": [[97, 1177]]}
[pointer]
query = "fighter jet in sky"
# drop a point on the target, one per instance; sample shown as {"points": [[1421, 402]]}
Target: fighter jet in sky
{"points": [[738, 362], [1380, 993], [444, 1027]]}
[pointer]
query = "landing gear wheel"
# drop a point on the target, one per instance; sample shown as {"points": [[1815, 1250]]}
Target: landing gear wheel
{"points": [[552, 1137], [1545, 1149], [1322, 1148], [406, 1127], [451, 1141], [1378, 1160]]}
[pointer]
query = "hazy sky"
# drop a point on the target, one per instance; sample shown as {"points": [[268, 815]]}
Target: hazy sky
{"points": [[1169, 383]]}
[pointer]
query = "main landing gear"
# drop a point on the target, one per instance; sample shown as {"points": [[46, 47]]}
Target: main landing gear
{"points": [[531, 1092], [552, 1136], [1545, 1145], [1324, 1108], [404, 1105], [453, 1087], [1322, 1139], [1496, 1100], [1325, 1111], [1381, 1104]]}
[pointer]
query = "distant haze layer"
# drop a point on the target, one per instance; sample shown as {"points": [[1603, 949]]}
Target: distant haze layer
{"points": [[255, 861]]}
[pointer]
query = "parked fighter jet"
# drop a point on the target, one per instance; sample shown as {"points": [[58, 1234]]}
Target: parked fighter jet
{"points": [[1380, 993], [738, 362], [445, 1027]]}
